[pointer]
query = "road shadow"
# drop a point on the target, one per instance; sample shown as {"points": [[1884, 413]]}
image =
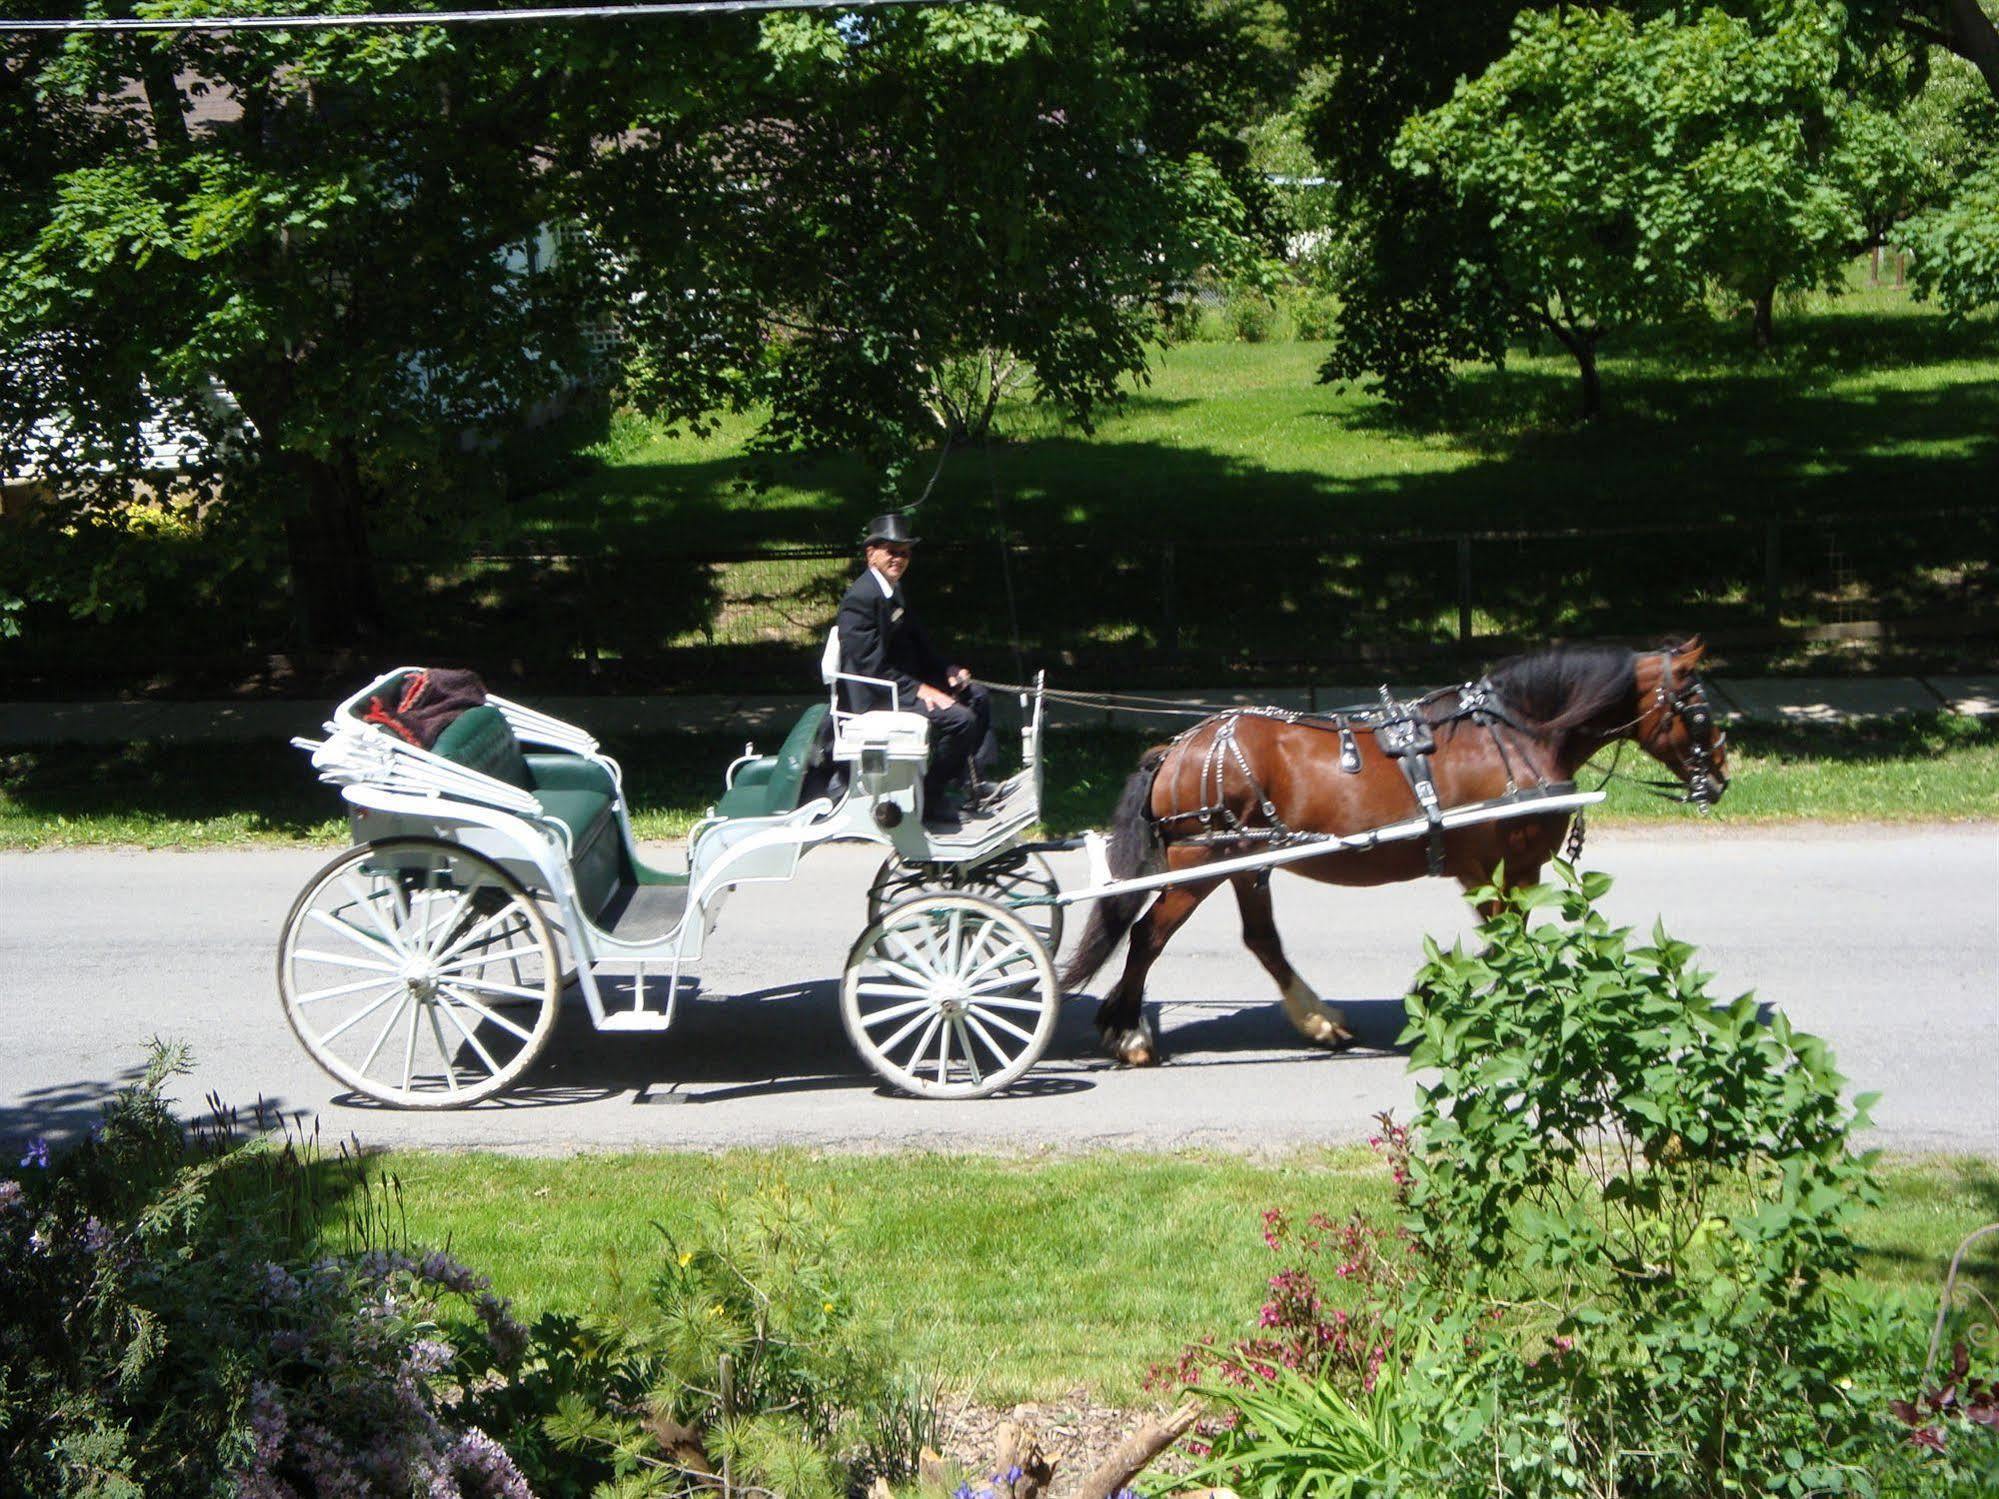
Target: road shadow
{"points": [[64, 1113], [789, 1039]]}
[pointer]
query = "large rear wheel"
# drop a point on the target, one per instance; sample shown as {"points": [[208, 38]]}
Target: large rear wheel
{"points": [[419, 973], [950, 996]]}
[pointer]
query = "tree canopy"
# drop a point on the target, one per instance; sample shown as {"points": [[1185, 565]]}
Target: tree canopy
{"points": [[343, 263]]}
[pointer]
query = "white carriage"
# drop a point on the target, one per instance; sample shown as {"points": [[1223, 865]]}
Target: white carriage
{"points": [[496, 870]]}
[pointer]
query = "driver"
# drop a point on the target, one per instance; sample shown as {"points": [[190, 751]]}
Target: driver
{"points": [[880, 636]]}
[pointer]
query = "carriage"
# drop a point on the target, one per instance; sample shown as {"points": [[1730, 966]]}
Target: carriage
{"points": [[496, 870], [424, 967]]}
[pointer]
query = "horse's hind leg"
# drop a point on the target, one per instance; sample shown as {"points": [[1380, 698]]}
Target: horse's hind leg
{"points": [[1317, 1021], [1121, 1017]]}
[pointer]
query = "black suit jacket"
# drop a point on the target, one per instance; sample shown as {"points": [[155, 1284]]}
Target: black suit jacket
{"points": [[880, 636]]}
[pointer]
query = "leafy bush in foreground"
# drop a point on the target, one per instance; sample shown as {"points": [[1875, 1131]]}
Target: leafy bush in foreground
{"points": [[167, 1330], [1631, 1210]]}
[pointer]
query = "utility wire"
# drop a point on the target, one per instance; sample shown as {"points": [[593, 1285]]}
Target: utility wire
{"points": [[365, 19]]}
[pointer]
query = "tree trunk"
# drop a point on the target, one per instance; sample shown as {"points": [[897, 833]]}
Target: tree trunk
{"points": [[1584, 348], [1763, 325], [1974, 38], [326, 542]]}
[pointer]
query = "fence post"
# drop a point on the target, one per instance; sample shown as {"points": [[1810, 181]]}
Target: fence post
{"points": [[1773, 573], [1464, 589], [1169, 623]]}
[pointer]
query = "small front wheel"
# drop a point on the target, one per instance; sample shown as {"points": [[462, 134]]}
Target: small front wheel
{"points": [[1009, 879], [950, 995], [419, 973]]}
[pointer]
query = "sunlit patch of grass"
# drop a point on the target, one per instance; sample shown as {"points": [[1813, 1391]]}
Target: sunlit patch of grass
{"points": [[1024, 1277]]}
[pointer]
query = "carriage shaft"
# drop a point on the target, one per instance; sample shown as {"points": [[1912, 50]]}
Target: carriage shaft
{"points": [[1321, 845]]}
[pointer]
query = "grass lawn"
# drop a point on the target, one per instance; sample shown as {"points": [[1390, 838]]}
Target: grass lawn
{"points": [[1027, 1277], [1284, 499], [190, 796]]}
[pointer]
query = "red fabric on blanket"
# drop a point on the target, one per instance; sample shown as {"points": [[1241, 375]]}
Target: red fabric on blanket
{"points": [[429, 701]]}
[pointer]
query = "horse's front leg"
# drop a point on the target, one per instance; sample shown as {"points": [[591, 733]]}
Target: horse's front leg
{"points": [[1121, 1017], [1315, 1020]]}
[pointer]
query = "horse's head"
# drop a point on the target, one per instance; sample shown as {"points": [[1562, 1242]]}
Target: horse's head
{"points": [[1677, 725]]}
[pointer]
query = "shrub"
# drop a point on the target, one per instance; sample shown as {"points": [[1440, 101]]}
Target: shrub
{"points": [[736, 1356], [1648, 1195], [1629, 1215], [165, 1329]]}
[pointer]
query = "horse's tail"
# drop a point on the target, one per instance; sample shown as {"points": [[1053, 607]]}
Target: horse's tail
{"points": [[1134, 850]]}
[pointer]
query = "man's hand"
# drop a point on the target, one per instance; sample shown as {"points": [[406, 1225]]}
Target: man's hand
{"points": [[959, 676], [933, 697]]}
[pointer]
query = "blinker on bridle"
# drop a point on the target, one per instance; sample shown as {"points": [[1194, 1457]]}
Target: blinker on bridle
{"points": [[1687, 702]]}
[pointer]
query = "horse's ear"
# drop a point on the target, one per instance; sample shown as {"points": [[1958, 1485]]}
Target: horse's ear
{"points": [[1689, 651]]}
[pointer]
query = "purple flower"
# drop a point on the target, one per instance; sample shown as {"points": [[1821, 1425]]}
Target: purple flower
{"points": [[428, 1355], [10, 1195], [38, 1154], [96, 1237]]}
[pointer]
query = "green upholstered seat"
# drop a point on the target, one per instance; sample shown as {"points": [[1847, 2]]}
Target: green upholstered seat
{"points": [[768, 786], [480, 739], [576, 792]]}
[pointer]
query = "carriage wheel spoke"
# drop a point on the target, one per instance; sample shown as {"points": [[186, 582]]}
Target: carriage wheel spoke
{"points": [[347, 929], [456, 991], [442, 936], [474, 933], [916, 960], [471, 1038], [894, 1012], [965, 1043], [914, 978], [1001, 1023], [443, 1051], [943, 1053], [487, 986], [409, 1047], [908, 1029], [1006, 1002], [373, 906], [359, 986], [343, 960], [394, 1015], [359, 1015], [468, 960], [998, 1051]]}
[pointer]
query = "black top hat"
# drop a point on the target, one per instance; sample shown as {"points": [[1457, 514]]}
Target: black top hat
{"points": [[892, 528]]}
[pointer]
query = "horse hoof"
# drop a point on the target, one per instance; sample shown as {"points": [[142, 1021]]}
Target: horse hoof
{"points": [[1136, 1052], [1329, 1030]]}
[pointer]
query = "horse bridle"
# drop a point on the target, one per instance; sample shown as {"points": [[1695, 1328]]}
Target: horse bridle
{"points": [[1687, 702]]}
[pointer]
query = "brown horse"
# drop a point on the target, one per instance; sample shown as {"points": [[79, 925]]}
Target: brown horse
{"points": [[1243, 781]]}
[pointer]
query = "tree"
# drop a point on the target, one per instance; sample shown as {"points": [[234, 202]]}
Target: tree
{"points": [[1605, 169], [950, 203], [332, 283]]}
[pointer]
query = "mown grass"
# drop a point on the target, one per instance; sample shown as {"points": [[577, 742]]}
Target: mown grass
{"points": [[1931, 768], [1869, 400], [1027, 1277]]}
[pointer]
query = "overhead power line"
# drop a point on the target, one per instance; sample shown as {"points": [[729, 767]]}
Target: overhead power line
{"points": [[446, 17]]}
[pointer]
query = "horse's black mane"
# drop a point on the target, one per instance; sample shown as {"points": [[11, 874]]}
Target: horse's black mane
{"points": [[1566, 685]]}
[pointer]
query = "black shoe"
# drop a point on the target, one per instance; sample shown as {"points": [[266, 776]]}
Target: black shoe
{"points": [[980, 794]]}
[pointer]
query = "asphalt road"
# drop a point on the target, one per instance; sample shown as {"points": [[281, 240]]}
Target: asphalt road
{"points": [[1885, 941]]}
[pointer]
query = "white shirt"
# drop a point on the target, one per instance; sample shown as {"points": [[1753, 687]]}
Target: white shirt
{"points": [[888, 588]]}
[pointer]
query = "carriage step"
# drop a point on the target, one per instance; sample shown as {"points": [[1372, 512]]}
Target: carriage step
{"points": [[635, 1020]]}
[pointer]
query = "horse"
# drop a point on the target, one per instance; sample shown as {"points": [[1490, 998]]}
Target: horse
{"points": [[1250, 779]]}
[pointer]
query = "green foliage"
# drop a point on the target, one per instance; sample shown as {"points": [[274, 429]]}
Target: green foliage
{"points": [[1644, 1199], [166, 1328], [1289, 1435], [1622, 164], [737, 1354]]}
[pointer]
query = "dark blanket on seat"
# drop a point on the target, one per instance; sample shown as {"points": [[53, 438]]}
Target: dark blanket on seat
{"points": [[429, 700]]}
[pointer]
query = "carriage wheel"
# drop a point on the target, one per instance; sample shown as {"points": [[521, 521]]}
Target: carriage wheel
{"points": [[1005, 879], [950, 995], [419, 973]]}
